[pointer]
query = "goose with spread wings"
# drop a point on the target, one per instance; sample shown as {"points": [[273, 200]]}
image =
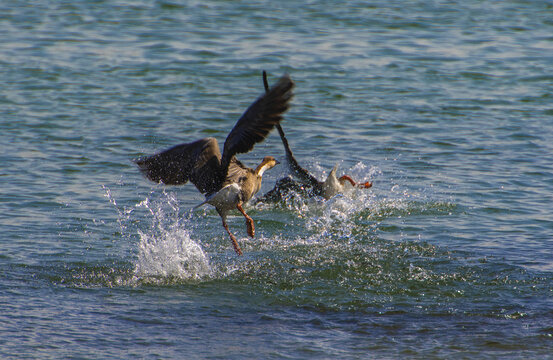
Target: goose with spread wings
{"points": [[226, 183], [308, 184]]}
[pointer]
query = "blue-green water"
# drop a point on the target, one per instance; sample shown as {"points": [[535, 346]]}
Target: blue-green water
{"points": [[446, 106]]}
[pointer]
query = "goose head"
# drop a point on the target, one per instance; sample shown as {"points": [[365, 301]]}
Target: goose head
{"points": [[268, 162]]}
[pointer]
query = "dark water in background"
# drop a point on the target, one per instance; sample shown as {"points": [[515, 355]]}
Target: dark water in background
{"points": [[445, 105]]}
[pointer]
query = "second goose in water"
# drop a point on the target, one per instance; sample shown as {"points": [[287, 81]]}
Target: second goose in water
{"points": [[308, 184]]}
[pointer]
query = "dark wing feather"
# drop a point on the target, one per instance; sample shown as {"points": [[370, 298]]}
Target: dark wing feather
{"points": [[236, 171], [300, 172], [198, 162], [258, 120]]}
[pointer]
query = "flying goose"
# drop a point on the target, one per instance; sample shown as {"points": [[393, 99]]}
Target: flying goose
{"points": [[225, 181], [308, 184]]}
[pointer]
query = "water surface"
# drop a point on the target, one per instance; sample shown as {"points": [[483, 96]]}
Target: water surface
{"points": [[445, 106]]}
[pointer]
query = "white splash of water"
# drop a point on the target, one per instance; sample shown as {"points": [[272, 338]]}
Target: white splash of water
{"points": [[166, 250], [171, 254], [336, 219], [333, 220]]}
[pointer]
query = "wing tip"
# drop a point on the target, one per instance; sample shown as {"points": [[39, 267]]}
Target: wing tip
{"points": [[145, 166]]}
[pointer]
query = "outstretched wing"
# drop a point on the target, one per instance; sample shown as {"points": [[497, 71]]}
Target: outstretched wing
{"points": [[258, 120], [300, 172], [198, 162]]}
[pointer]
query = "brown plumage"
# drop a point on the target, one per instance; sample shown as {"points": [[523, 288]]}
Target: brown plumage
{"points": [[225, 181], [308, 184]]}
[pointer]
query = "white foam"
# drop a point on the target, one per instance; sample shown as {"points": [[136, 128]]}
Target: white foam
{"points": [[166, 250], [171, 254]]}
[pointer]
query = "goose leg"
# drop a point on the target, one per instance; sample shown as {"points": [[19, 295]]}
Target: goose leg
{"points": [[232, 238], [249, 221], [353, 183]]}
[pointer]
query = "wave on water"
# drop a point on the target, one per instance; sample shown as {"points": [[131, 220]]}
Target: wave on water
{"points": [[355, 251]]}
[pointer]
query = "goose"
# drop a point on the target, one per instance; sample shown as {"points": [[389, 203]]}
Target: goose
{"points": [[308, 184], [226, 183]]}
